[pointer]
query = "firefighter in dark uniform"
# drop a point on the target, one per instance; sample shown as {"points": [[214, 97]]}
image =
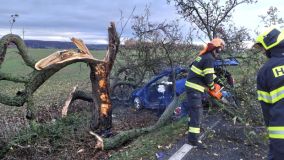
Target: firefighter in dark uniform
{"points": [[270, 89], [200, 79]]}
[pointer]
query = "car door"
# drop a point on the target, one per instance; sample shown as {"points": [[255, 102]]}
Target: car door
{"points": [[159, 92]]}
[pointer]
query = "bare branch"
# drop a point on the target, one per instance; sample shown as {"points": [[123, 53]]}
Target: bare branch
{"points": [[208, 16], [124, 25]]}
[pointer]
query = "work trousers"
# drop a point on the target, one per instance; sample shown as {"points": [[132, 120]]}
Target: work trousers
{"points": [[195, 113], [274, 117], [276, 149]]}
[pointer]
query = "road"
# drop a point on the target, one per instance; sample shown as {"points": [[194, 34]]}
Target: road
{"points": [[220, 147]]}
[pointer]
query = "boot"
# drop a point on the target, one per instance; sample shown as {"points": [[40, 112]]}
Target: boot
{"points": [[198, 144]]}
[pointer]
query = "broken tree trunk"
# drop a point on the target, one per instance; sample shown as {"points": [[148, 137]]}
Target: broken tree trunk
{"points": [[99, 75], [102, 107], [45, 68], [102, 110]]}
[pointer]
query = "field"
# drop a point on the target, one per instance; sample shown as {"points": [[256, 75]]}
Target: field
{"points": [[53, 92]]}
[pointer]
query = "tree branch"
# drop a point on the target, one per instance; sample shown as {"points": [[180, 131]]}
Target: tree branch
{"points": [[112, 47], [78, 94], [225, 14], [11, 38], [35, 80]]}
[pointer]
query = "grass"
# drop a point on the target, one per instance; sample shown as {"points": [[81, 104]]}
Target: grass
{"points": [[70, 133], [146, 146], [52, 93], [49, 137], [62, 80], [14, 63]]}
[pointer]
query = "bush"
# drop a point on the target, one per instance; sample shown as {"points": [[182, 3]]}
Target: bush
{"points": [[245, 89]]}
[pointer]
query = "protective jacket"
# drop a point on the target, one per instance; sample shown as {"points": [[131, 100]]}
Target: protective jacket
{"points": [[201, 73], [270, 91]]}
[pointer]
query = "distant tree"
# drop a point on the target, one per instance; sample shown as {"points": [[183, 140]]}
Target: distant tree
{"points": [[208, 15], [236, 38], [130, 43], [146, 53], [271, 17], [12, 21]]}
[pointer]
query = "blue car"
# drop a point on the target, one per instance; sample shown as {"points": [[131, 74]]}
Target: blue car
{"points": [[158, 92]]}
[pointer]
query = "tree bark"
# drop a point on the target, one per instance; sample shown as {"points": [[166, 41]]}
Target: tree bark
{"points": [[102, 107], [78, 94], [100, 74], [15, 39]]}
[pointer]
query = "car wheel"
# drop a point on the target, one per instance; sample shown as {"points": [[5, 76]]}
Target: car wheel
{"points": [[137, 103], [122, 91]]}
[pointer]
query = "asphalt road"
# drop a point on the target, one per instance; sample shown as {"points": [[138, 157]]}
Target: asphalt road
{"points": [[220, 146]]}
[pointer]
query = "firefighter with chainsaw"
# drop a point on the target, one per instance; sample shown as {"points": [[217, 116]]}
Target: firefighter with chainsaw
{"points": [[270, 88], [200, 79]]}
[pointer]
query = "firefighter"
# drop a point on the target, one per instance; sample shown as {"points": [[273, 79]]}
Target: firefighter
{"points": [[270, 88], [200, 79]]}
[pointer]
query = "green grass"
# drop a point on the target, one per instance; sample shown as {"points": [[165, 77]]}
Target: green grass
{"points": [[61, 81], [14, 63], [52, 93]]}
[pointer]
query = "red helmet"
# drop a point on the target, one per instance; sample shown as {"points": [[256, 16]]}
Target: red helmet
{"points": [[214, 43], [218, 42]]}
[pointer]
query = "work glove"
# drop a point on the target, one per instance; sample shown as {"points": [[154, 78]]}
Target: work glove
{"points": [[216, 92]]}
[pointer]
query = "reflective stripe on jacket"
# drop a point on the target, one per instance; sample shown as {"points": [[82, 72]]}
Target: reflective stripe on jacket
{"points": [[201, 73], [270, 92]]}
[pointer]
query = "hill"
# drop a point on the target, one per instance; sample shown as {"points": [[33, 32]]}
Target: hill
{"points": [[61, 45]]}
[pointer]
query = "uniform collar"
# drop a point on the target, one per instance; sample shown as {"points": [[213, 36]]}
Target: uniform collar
{"points": [[208, 54], [277, 51]]}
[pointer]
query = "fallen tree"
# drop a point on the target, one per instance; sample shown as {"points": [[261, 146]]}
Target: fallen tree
{"points": [[125, 136], [100, 70], [45, 68]]}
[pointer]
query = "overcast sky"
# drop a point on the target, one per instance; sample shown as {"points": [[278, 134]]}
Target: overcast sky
{"points": [[89, 19]]}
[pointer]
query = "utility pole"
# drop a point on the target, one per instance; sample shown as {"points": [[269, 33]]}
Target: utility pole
{"points": [[23, 33]]}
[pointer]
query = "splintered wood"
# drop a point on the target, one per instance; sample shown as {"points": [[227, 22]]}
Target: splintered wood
{"points": [[67, 102]]}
